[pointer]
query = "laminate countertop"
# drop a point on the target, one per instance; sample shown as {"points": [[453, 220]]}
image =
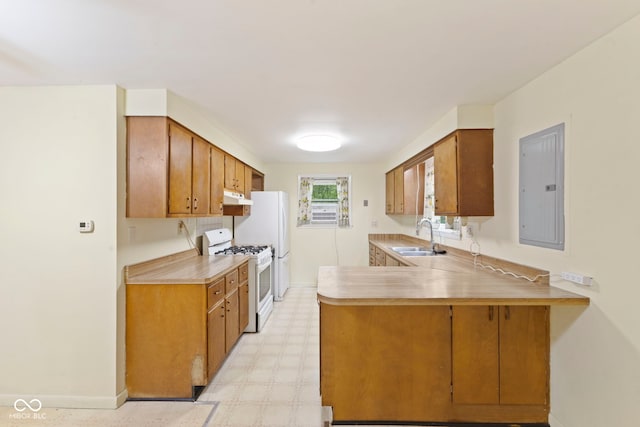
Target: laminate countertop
{"points": [[184, 268], [436, 280]]}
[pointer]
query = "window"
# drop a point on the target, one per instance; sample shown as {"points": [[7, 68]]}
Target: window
{"points": [[324, 201]]}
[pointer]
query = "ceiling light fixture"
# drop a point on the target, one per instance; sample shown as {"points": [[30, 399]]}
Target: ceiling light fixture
{"points": [[318, 143]]}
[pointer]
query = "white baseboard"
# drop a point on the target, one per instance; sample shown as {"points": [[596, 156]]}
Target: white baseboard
{"points": [[553, 422], [68, 401], [303, 285]]}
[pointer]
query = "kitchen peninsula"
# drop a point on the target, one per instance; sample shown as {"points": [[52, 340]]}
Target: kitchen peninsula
{"points": [[440, 342]]}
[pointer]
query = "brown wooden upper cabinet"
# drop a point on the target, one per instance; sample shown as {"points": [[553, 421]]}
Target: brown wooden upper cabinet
{"points": [[463, 172], [234, 174], [413, 180], [395, 191], [463, 181], [217, 181], [405, 190], [172, 172], [253, 181], [389, 193], [189, 168]]}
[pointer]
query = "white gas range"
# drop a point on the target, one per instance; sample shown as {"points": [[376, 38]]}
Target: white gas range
{"points": [[218, 243]]}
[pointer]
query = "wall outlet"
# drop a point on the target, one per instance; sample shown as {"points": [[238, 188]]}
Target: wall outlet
{"points": [[577, 278], [469, 231]]}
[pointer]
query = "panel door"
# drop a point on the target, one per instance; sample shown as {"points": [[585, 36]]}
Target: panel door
{"points": [[217, 177], [240, 177], [398, 190], [414, 190], [180, 170], [229, 172], [248, 173], [389, 192], [524, 355], [201, 180], [216, 350], [446, 176], [232, 319], [475, 355], [243, 298]]}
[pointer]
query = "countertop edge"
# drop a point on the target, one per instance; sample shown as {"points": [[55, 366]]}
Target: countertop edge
{"points": [[147, 272], [584, 301]]}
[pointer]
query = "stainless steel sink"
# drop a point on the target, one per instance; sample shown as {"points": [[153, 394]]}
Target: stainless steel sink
{"points": [[412, 251]]}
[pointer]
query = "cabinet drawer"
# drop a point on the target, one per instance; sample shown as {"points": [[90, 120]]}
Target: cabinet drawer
{"points": [[243, 272], [231, 281], [215, 292]]}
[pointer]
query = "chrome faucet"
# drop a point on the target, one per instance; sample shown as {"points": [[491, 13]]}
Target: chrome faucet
{"points": [[419, 225]]}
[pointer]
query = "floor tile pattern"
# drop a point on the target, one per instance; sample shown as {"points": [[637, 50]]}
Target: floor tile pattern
{"points": [[272, 378]]}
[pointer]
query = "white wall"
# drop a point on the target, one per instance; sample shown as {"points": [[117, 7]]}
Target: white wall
{"points": [[62, 312], [596, 351], [314, 247], [595, 360], [57, 286]]}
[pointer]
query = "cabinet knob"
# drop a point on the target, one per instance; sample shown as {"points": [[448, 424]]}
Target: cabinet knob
{"points": [[195, 203], [218, 292], [490, 313], [188, 202]]}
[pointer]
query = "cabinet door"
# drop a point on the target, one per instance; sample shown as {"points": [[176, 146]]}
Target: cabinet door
{"points": [[380, 257], [232, 319], [248, 174], [216, 350], [147, 162], [200, 192], [413, 178], [240, 177], [476, 371], [229, 172], [243, 298], [398, 190], [446, 176], [217, 181], [391, 262], [180, 170], [524, 355], [389, 192]]}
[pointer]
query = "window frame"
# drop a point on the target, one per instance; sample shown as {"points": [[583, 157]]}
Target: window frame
{"points": [[327, 177]]}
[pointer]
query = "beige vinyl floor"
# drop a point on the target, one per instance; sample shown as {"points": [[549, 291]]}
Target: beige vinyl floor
{"points": [[269, 379], [272, 378]]}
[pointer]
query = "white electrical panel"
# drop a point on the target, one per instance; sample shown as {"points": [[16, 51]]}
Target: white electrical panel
{"points": [[541, 201]]}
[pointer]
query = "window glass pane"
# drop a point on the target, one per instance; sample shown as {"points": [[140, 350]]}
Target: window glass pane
{"points": [[324, 192]]}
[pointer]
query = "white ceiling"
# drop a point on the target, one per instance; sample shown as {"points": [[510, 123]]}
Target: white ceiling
{"points": [[377, 72]]}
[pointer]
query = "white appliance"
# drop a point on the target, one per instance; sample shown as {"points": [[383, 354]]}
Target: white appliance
{"points": [[218, 243], [268, 224]]}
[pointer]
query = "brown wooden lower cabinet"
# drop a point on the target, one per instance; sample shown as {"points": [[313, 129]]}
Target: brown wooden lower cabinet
{"points": [[435, 363], [232, 319], [216, 338], [243, 297], [178, 335]]}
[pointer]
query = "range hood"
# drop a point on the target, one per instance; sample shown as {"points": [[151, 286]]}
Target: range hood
{"points": [[232, 198]]}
